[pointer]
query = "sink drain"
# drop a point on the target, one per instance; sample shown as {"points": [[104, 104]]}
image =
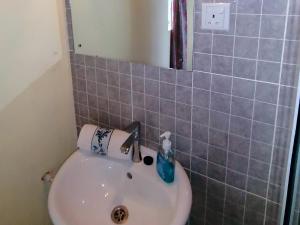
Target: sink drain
{"points": [[119, 214]]}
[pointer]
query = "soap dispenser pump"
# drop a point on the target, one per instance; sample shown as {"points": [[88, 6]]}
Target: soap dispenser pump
{"points": [[165, 163]]}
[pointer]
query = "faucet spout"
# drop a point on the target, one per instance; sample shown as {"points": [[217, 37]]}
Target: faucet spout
{"points": [[125, 148], [134, 141]]}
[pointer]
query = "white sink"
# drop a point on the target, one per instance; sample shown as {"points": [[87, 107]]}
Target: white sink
{"points": [[87, 188]]}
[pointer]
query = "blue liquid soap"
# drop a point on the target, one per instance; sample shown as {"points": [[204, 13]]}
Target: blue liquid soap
{"points": [[166, 166]]}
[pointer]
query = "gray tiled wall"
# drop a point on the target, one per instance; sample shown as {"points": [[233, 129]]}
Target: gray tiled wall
{"points": [[231, 117]]}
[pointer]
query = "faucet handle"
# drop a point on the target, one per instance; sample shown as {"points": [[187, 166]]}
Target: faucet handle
{"points": [[133, 140], [134, 127]]}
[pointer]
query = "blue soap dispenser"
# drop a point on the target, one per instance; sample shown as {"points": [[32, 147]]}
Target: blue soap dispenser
{"points": [[165, 162]]}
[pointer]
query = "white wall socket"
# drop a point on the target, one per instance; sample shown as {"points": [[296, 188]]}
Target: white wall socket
{"points": [[215, 16]]}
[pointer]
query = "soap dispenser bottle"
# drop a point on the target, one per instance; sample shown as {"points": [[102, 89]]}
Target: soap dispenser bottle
{"points": [[165, 162]]}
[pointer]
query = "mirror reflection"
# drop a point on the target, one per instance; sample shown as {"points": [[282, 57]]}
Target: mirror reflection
{"points": [[154, 32]]}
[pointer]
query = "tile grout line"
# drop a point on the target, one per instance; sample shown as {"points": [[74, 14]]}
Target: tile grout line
{"points": [[131, 91], [108, 98], [174, 144], [256, 14], [192, 97], [86, 92], [253, 109], [278, 99], [159, 106], [209, 119], [226, 75], [230, 110], [245, 58], [95, 71], [245, 36], [192, 114], [144, 93]]}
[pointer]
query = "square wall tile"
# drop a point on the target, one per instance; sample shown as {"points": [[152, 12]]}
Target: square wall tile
{"points": [[183, 111], [167, 91], [264, 112], [274, 7], [183, 144], [239, 144], [290, 75], [272, 26], [167, 123], [242, 107], [246, 47], [218, 138], [259, 170], [202, 62], [257, 186], [222, 65], [217, 156], [184, 78], [220, 102], [201, 98], [219, 120], [152, 119], [268, 71], [287, 96], [200, 132], [138, 99], [261, 151], [235, 179], [223, 45], [152, 72], [183, 94], [291, 53], [266, 92], [202, 43], [221, 84], [152, 103], [200, 115], [138, 84], [270, 50], [202, 80], [167, 107], [216, 172], [294, 7], [244, 68], [262, 132], [152, 87], [240, 126], [247, 25], [249, 6], [168, 75], [183, 128], [124, 67], [199, 149], [237, 162], [138, 70]]}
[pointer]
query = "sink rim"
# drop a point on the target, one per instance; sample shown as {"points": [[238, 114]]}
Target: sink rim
{"points": [[184, 194]]}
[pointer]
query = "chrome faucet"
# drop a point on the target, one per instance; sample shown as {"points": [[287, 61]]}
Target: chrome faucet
{"points": [[134, 141]]}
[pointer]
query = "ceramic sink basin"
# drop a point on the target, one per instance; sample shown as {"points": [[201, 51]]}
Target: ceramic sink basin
{"points": [[87, 188]]}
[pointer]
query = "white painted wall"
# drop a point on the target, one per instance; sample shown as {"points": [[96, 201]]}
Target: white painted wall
{"points": [[30, 44], [37, 122]]}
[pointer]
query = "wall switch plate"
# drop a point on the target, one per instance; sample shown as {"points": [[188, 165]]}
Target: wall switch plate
{"points": [[215, 16]]}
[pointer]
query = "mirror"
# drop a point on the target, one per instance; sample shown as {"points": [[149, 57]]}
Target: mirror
{"points": [[155, 32]]}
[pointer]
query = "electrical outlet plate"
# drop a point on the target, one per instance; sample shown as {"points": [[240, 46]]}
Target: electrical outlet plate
{"points": [[215, 16]]}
